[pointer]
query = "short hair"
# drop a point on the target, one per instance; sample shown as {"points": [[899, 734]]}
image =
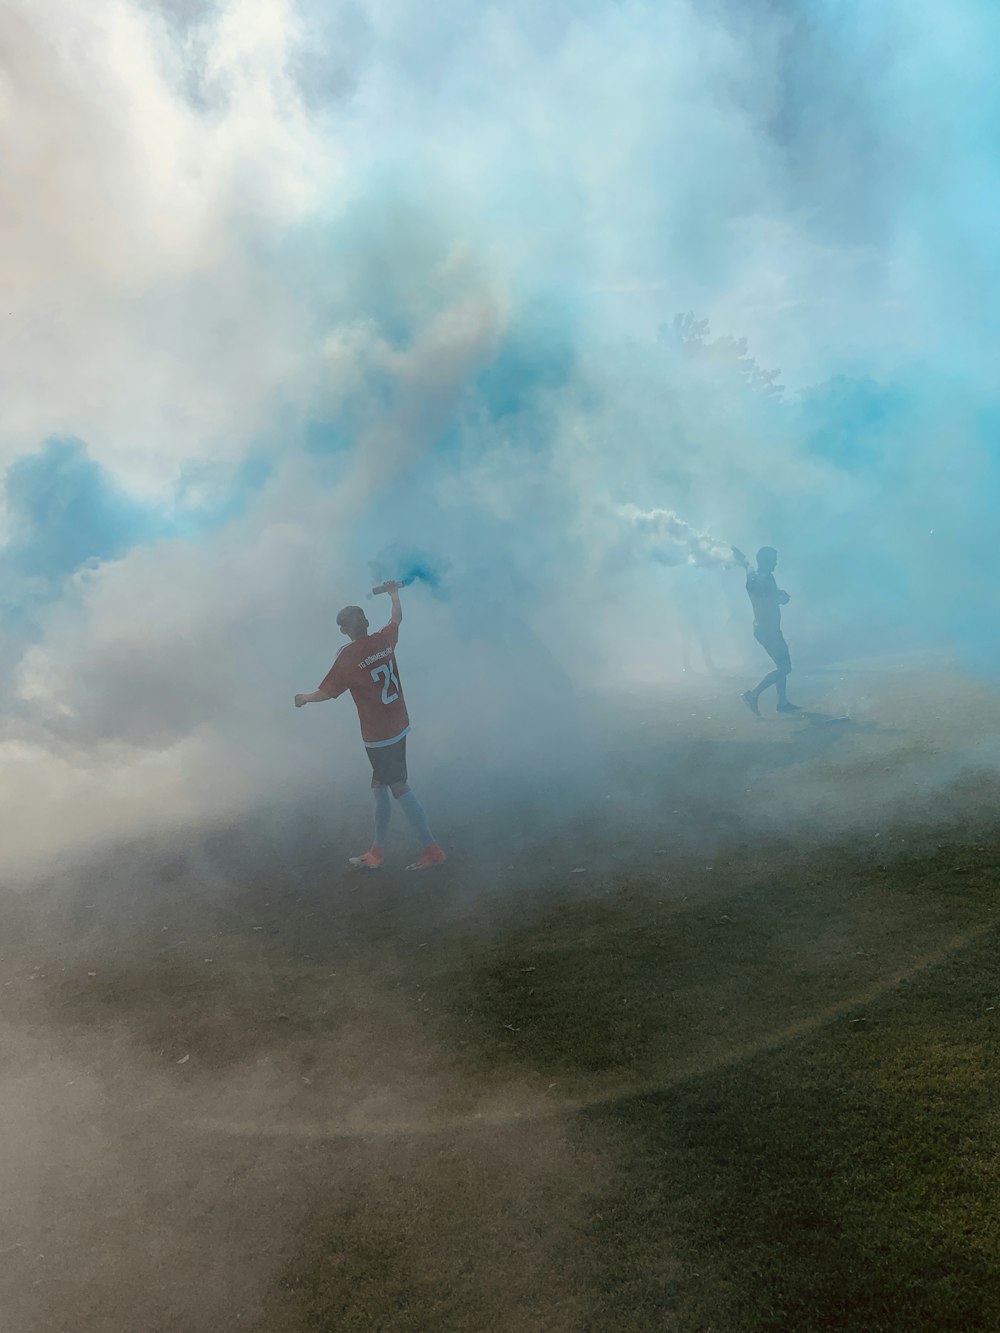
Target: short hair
{"points": [[766, 553], [351, 615]]}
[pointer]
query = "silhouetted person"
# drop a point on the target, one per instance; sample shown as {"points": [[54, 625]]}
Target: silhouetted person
{"points": [[767, 599]]}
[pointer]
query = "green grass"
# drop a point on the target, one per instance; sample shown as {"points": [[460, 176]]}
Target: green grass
{"points": [[751, 1091], [845, 1181], [833, 1164]]}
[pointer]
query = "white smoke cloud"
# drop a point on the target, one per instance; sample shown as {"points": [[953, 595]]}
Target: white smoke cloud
{"points": [[138, 314], [669, 539]]}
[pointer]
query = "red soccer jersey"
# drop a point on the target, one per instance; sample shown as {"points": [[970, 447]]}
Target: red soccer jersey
{"points": [[367, 667]]}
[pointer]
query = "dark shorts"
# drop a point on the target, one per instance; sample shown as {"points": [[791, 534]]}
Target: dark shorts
{"points": [[388, 763], [773, 643]]}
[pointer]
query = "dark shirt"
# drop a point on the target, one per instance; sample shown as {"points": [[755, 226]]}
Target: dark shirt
{"points": [[763, 593]]}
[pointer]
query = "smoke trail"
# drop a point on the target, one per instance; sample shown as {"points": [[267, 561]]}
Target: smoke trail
{"points": [[666, 537]]}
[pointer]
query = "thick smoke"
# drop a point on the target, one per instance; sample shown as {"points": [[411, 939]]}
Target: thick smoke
{"points": [[308, 296]]}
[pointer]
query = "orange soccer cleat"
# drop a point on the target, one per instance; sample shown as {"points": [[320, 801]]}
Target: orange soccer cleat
{"points": [[434, 855], [370, 860]]}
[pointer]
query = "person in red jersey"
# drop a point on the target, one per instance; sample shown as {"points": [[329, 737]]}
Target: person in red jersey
{"points": [[367, 667]]}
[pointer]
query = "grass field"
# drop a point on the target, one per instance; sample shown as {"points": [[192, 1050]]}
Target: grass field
{"points": [[717, 1054]]}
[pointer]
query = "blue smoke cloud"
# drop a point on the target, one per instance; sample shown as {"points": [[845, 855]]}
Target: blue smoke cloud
{"points": [[66, 513], [63, 509], [406, 566]]}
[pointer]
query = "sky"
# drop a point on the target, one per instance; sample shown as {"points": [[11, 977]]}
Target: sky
{"points": [[301, 295]]}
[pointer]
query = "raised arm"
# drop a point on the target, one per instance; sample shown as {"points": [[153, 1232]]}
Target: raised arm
{"points": [[397, 611], [392, 587]]}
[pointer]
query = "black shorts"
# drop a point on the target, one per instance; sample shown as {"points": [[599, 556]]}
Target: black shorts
{"points": [[388, 763], [773, 643]]}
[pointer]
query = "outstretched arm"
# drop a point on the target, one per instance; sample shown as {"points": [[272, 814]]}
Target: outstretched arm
{"points": [[317, 697]]}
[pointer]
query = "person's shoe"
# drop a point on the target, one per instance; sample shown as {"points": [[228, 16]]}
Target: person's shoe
{"points": [[750, 702], [370, 860], [789, 708], [434, 855]]}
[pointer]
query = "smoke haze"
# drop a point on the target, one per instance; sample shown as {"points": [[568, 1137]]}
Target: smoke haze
{"points": [[541, 306], [301, 284]]}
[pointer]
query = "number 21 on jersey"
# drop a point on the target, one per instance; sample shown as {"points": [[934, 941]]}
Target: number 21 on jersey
{"points": [[386, 673]]}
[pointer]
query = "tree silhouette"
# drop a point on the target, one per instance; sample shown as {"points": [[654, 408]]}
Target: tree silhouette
{"points": [[691, 336]]}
